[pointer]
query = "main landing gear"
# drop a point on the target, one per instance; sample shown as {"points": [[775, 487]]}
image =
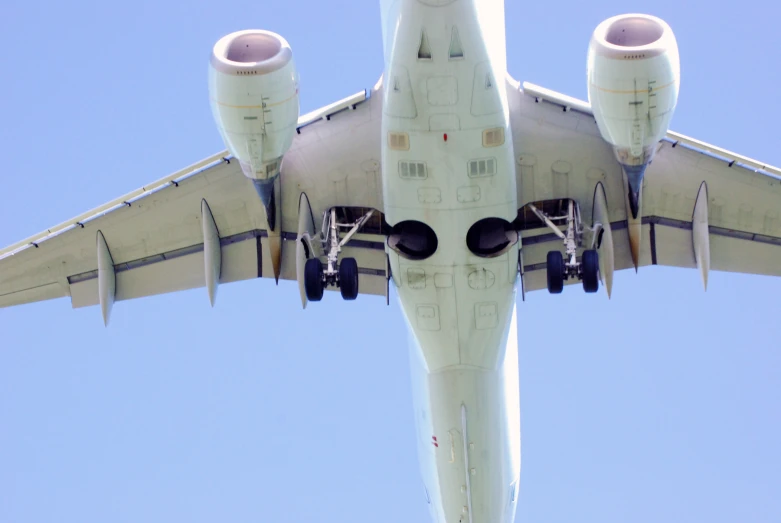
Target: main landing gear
{"points": [[338, 273], [561, 269]]}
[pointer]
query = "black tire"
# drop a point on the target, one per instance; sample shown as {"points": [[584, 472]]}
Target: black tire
{"points": [[590, 263], [348, 278], [555, 267], [313, 279]]}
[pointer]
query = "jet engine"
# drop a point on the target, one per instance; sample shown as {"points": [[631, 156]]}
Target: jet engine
{"points": [[633, 82], [253, 87]]}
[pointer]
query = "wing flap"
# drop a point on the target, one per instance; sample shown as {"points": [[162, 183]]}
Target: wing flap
{"points": [[752, 257], [731, 251], [163, 274], [242, 259]]}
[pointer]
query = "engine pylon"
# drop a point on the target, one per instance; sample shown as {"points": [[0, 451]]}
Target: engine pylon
{"points": [[270, 192], [273, 207]]}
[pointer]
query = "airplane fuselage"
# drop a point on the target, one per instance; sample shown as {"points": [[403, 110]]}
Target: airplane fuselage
{"points": [[448, 162]]}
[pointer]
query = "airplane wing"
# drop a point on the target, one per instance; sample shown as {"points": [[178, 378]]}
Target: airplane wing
{"points": [[155, 238], [154, 235], [560, 154]]}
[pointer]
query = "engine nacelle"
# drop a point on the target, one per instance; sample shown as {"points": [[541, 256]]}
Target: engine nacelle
{"points": [[253, 86], [633, 82]]}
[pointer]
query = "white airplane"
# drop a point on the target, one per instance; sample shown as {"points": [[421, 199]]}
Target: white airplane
{"points": [[448, 179]]}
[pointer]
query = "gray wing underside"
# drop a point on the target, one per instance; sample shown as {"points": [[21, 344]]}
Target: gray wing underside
{"points": [[155, 236], [560, 154]]}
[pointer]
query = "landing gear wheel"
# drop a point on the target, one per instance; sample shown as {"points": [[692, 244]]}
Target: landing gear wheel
{"points": [[555, 272], [313, 279], [590, 263], [348, 278]]}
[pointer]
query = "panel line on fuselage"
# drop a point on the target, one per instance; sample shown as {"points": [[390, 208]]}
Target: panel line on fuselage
{"points": [[466, 462]]}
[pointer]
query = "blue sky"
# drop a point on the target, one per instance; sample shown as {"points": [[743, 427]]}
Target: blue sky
{"points": [[660, 404]]}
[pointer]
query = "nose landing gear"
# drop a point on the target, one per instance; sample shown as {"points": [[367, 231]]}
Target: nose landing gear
{"points": [[337, 273], [559, 269]]}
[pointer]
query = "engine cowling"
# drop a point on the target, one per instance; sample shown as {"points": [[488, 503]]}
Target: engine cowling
{"points": [[253, 87], [633, 83]]}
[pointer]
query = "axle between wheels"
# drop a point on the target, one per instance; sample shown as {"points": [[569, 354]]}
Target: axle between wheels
{"points": [[316, 279]]}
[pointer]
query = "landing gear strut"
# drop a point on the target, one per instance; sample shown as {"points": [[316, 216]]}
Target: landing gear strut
{"points": [[561, 268], [335, 272]]}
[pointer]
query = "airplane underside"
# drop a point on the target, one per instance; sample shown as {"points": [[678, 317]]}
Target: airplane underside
{"points": [[450, 181]]}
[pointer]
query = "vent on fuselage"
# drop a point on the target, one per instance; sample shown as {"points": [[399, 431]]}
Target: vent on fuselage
{"points": [[398, 141], [456, 51], [493, 137], [412, 170], [424, 50], [482, 167]]}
